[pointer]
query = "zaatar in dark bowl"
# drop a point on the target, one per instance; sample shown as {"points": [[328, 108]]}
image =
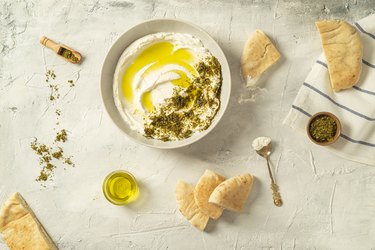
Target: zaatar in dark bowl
{"points": [[323, 128]]}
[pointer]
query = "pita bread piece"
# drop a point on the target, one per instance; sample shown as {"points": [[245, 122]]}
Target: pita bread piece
{"points": [[343, 48], [233, 193], [206, 184], [258, 55], [188, 207], [20, 227]]}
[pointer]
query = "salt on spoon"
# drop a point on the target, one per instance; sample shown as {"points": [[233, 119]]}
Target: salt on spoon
{"points": [[263, 146]]}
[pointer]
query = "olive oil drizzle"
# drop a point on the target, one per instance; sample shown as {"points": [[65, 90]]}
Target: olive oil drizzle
{"points": [[155, 57]]}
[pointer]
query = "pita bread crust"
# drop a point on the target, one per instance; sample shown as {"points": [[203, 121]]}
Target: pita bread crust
{"points": [[188, 207], [205, 186], [343, 50], [20, 227], [258, 55], [233, 193]]}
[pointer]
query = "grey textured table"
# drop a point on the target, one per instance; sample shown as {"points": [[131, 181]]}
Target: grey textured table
{"points": [[329, 201]]}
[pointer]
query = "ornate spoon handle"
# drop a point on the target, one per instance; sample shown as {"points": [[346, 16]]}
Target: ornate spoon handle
{"points": [[276, 195], [275, 189]]}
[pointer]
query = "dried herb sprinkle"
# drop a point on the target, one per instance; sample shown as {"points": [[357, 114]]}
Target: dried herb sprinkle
{"points": [[323, 128], [49, 156], [185, 112], [70, 83], [68, 54], [61, 136]]}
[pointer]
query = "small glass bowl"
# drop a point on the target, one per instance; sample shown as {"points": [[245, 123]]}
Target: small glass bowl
{"points": [[118, 181]]}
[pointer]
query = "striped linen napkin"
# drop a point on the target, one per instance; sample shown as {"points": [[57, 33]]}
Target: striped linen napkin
{"points": [[354, 107]]}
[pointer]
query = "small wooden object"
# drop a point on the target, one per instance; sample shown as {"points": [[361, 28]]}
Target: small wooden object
{"points": [[62, 50], [338, 130]]}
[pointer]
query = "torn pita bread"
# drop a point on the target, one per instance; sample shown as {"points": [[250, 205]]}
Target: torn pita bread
{"points": [[206, 184], [187, 206], [233, 193], [258, 55], [343, 50], [20, 227]]}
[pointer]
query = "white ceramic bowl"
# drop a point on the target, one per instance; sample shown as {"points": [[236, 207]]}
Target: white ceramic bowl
{"points": [[141, 30]]}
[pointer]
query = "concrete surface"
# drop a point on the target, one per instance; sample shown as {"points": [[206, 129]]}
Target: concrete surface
{"points": [[329, 201]]}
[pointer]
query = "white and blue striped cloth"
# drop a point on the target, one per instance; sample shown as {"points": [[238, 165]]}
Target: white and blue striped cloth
{"points": [[354, 107]]}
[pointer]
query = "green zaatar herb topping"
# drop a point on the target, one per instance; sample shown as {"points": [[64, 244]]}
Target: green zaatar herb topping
{"points": [[50, 74], [58, 154], [50, 156], [70, 83], [190, 109], [46, 157], [323, 128], [68, 54], [61, 136], [54, 89]]}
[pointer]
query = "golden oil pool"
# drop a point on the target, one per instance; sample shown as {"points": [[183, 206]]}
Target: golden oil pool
{"points": [[120, 187]]}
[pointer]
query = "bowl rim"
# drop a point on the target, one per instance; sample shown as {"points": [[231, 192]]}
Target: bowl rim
{"points": [[338, 130], [223, 105]]}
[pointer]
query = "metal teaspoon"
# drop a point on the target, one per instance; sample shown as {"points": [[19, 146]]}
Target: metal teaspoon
{"points": [[265, 152]]}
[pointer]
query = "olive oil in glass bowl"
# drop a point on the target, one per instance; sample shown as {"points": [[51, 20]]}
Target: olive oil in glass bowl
{"points": [[120, 187]]}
